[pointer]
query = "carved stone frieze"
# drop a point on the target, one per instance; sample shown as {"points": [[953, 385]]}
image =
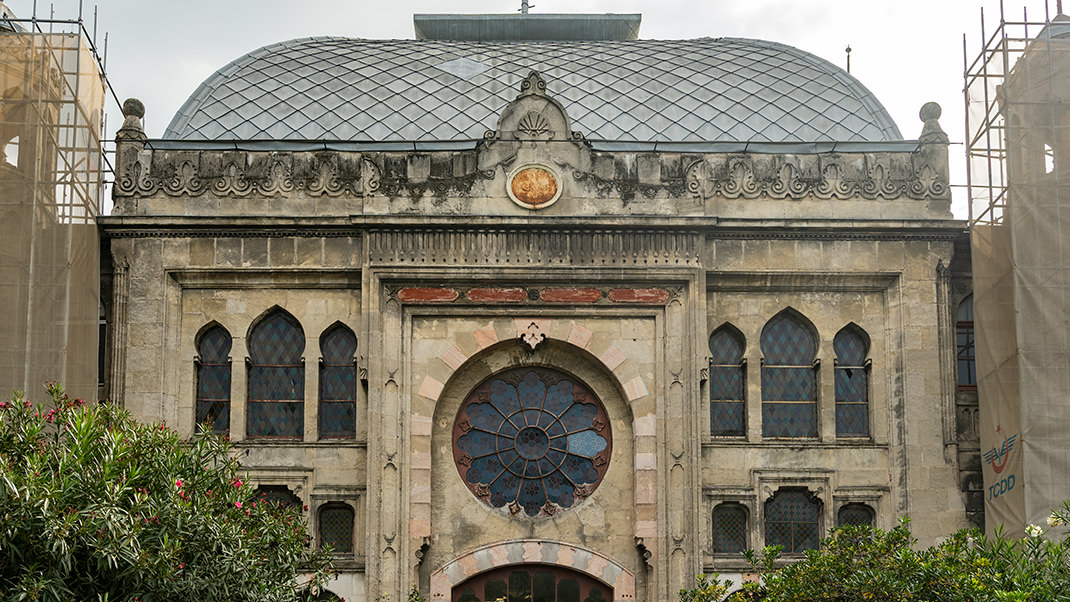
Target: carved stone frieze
{"points": [[505, 246], [241, 173], [824, 176]]}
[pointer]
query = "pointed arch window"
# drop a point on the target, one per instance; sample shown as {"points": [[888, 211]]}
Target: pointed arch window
{"points": [[789, 377], [727, 383], [964, 346], [338, 383], [336, 527], [276, 386], [729, 528], [792, 520], [212, 366], [852, 382]]}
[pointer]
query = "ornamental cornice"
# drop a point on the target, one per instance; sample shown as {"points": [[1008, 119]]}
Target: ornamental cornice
{"points": [[919, 175]]}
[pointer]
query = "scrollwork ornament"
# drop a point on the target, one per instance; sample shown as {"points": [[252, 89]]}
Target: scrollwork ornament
{"points": [[185, 181], [326, 181], [232, 182], [279, 180], [371, 176], [136, 182]]}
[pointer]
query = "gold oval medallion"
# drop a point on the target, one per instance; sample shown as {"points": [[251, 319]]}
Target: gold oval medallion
{"points": [[534, 187]]}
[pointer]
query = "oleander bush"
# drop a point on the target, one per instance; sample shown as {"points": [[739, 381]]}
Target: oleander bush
{"points": [[859, 564], [95, 506]]}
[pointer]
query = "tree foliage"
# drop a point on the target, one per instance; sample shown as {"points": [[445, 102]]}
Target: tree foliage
{"points": [[96, 506], [856, 564]]}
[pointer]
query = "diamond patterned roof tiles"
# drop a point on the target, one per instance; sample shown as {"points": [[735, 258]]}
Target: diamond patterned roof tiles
{"points": [[704, 90]]}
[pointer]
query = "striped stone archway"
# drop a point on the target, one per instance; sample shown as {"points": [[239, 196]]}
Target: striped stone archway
{"points": [[532, 551]]}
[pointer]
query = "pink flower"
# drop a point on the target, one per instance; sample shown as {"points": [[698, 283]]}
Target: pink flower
{"points": [[237, 504], [236, 483], [178, 483]]}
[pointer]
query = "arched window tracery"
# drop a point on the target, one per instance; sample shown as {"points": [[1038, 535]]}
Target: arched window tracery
{"points": [[793, 521], [727, 379], [852, 382], [789, 377], [729, 528], [276, 383], [213, 379], [338, 383]]}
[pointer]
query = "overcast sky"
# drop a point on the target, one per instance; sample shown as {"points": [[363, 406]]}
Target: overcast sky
{"points": [[907, 52]]}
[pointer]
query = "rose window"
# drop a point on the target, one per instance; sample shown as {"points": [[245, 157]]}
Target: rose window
{"points": [[532, 440]]}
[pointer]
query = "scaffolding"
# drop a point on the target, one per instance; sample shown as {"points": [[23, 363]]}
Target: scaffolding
{"points": [[1018, 164], [52, 172]]}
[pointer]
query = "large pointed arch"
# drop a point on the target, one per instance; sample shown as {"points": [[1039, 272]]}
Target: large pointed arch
{"points": [[851, 345]]}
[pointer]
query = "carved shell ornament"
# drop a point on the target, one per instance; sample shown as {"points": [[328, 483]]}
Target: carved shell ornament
{"points": [[534, 186], [533, 124]]}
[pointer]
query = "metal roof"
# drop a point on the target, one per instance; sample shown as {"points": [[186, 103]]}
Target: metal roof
{"points": [[704, 90]]}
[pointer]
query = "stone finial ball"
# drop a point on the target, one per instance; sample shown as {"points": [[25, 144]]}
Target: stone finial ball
{"points": [[930, 111], [133, 107]]}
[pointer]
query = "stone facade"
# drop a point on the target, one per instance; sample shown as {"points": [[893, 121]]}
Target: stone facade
{"points": [[447, 279]]}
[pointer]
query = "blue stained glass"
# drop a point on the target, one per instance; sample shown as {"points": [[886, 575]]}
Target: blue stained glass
{"points": [[477, 443], [789, 419], [531, 391], [789, 384], [338, 344], [338, 383], [217, 413], [277, 339], [850, 347], [504, 397], [579, 470], [484, 416], [276, 383], [586, 443], [484, 470], [533, 444], [213, 379], [856, 515], [531, 417], [852, 384], [532, 472], [578, 417], [726, 346], [558, 397], [726, 382], [787, 341], [852, 420], [276, 419], [338, 419], [726, 419], [531, 497]]}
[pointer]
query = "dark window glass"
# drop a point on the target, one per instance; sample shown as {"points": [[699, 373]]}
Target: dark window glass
{"points": [[276, 377], [213, 379], [729, 529], [102, 338], [791, 521], [532, 583], [336, 527], [964, 346], [852, 383], [727, 383], [277, 494], [789, 379], [532, 440], [855, 515], [338, 383]]}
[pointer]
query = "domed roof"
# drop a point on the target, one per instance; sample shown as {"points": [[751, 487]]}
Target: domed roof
{"points": [[704, 90]]}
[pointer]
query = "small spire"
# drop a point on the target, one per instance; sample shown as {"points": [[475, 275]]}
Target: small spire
{"points": [[524, 6], [133, 111], [848, 58]]}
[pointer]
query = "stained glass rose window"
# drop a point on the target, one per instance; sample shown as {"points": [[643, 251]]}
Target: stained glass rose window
{"points": [[532, 440]]}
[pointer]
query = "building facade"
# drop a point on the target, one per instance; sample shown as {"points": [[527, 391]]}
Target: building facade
{"points": [[680, 299]]}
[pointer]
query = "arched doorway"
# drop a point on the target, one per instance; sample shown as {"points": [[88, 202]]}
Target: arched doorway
{"points": [[532, 583]]}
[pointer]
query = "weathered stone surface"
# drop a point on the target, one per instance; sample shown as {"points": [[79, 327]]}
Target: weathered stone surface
{"points": [[570, 295]]}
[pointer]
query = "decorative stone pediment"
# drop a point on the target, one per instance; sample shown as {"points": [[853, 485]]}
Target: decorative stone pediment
{"points": [[533, 115]]}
